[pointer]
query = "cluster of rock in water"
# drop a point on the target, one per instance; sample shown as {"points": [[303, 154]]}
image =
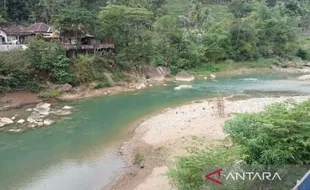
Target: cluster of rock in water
{"points": [[185, 77], [37, 118], [159, 74]]}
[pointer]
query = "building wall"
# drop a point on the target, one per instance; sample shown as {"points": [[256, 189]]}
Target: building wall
{"points": [[3, 34]]}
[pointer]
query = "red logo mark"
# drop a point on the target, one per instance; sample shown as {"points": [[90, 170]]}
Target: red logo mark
{"points": [[218, 172]]}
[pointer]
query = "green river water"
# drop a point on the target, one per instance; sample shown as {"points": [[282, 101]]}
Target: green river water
{"points": [[80, 152]]}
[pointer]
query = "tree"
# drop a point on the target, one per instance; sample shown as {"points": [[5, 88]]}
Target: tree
{"points": [[197, 14], [167, 35], [130, 29], [240, 8], [243, 41], [17, 10], [2, 20], [217, 41], [292, 7], [276, 33], [75, 21]]}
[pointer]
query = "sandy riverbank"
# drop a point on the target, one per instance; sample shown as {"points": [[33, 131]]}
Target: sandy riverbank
{"points": [[166, 135]]}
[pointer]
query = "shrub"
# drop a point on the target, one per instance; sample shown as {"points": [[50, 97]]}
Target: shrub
{"points": [[280, 135], [102, 85], [89, 68], [304, 54], [49, 60], [190, 170], [16, 72]]}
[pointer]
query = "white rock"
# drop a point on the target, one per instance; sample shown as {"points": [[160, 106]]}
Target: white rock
{"points": [[150, 85], [212, 76], [67, 108], [13, 118], [48, 122], [42, 111], [29, 109], [15, 130], [43, 108], [31, 120], [32, 126], [304, 77], [43, 105], [21, 121], [2, 124], [183, 87], [40, 124], [6, 120], [165, 84], [140, 86], [205, 78], [62, 112], [184, 76]]}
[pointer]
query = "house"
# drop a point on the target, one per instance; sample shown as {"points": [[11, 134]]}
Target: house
{"points": [[74, 41], [41, 28], [77, 41], [14, 35], [18, 34]]}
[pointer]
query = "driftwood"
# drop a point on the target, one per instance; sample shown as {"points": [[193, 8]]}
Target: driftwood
{"points": [[220, 106]]}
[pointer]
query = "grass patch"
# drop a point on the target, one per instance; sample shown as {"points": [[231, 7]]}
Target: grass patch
{"points": [[50, 94], [102, 84], [138, 159], [190, 170]]}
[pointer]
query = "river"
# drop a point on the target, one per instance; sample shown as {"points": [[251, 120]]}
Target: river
{"points": [[80, 152]]}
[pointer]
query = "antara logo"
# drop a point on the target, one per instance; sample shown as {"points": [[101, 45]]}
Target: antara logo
{"points": [[242, 176], [218, 172]]}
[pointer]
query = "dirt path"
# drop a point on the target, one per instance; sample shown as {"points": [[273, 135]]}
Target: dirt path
{"points": [[17, 100]]}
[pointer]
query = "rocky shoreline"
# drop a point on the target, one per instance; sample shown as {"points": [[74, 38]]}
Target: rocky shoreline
{"points": [[168, 134], [154, 76]]}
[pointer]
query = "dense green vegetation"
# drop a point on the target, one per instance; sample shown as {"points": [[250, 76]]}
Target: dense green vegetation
{"points": [[278, 136], [183, 35]]}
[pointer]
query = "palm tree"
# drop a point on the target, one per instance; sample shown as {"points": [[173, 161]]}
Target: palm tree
{"points": [[198, 14]]}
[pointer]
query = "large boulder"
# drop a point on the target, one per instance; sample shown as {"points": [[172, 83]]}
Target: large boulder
{"points": [[304, 77], [157, 73], [6, 120], [65, 88], [43, 109], [36, 116], [184, 76], [2, 124]]}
